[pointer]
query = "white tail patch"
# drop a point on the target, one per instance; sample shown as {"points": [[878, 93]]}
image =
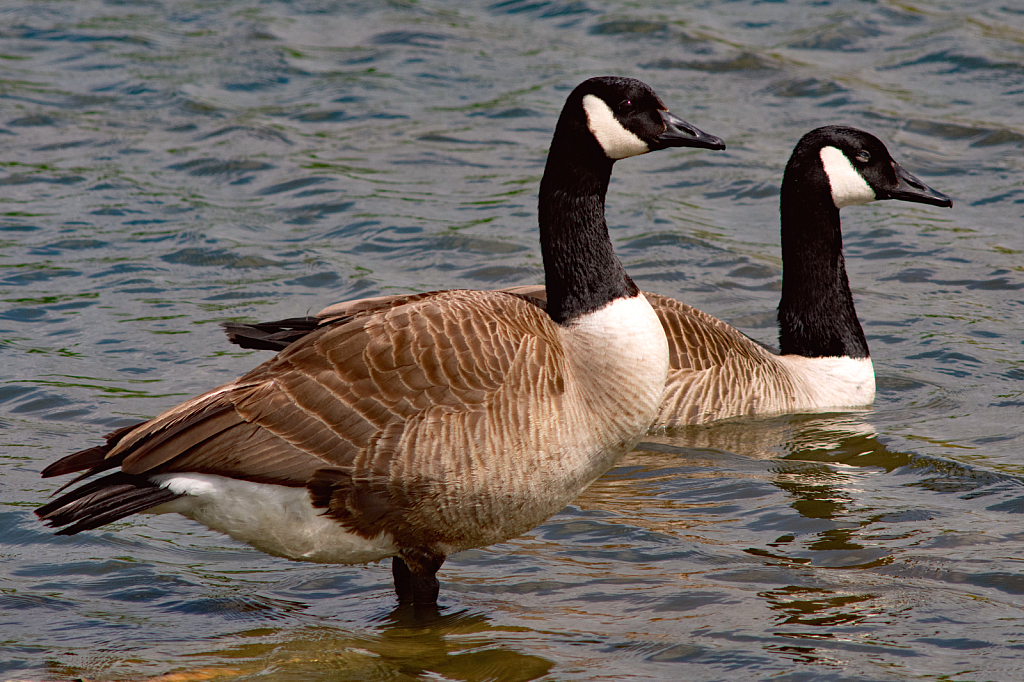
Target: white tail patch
{"points": [[275, 519], [849, 187], [616, 141]]}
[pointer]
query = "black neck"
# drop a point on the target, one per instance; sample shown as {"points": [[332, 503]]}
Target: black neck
{"points": [[581, 270], [816, 314]]}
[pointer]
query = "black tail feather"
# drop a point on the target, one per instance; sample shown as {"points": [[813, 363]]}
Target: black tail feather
{"points": [[91, 460], [102, 501], [274, 336]]}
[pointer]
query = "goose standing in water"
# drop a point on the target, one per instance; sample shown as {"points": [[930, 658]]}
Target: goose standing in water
{"points": [[716, 371], [423, 425]]}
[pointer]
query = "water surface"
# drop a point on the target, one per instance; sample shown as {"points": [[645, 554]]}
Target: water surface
{"points": [[170, 165]]}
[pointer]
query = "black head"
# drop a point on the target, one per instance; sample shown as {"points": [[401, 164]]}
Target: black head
{"points": [[859, 169], [627, 118]]}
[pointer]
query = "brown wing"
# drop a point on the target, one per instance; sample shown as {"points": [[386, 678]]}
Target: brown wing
{"points": [[357, 399], [280, 334], [697, 341], [715, 371]]}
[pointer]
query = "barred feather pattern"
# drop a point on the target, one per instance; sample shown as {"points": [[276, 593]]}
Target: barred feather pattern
{"points": [[450, 420]]}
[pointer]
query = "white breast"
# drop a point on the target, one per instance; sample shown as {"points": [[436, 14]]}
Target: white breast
{"points": [[620, 357], [626, 333], [275, 519]]}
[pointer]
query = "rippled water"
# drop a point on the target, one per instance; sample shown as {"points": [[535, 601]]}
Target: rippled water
{"points": [[167, 166]]}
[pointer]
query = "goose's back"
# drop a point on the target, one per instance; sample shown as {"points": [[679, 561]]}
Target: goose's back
{"points": [[716, 371]]}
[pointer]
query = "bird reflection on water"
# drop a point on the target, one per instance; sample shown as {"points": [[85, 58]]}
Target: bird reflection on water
{"points": [[409, 640]]}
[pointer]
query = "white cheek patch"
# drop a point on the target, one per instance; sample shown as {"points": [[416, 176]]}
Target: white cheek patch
{"points": [[849, 187], [615, 140]]}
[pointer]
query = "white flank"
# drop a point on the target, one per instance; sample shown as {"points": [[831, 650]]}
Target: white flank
{"points": [[615, 140], [849, 187], [275, 519], [831, 382]]}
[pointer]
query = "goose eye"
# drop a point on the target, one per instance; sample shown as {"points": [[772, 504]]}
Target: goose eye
{"points": [[627, 106], [862, 156]]}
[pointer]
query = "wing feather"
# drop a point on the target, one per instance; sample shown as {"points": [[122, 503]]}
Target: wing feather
{"points": [[368, 412]]}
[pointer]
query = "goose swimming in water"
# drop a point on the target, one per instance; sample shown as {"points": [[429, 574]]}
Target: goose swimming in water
{"points": [[823, 362], [716, 371], [424, 425]]}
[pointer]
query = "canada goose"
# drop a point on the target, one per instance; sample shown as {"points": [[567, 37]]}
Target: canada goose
{"points": [[715, 371], [823, 359], [430, 424]]}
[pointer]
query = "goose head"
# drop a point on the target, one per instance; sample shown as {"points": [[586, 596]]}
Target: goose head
{"points": [[859, 169], [622, 117], [604, 119]]}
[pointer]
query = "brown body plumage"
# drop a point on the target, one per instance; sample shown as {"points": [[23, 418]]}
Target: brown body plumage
{"points": [[430, 420]]}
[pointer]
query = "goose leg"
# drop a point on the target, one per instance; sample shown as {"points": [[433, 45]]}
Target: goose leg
{"points": [[415, 574]]}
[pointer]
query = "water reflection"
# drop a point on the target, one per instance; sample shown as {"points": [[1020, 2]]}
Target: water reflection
{"points": [[810, 499], [406, 644], [815, 607]]}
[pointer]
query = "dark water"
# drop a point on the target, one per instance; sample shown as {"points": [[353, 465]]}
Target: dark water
{"points": [[167, 166]]}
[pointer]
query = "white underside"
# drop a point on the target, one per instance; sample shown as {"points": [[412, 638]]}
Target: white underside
{"points": [[275, 519], [831, 382]]}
